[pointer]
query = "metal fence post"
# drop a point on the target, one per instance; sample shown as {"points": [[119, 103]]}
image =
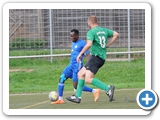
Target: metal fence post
{"points": [[129, 35], [50, 21]]}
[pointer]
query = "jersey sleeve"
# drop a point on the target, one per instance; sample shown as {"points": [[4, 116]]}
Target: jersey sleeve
{"points": [[90, 35], [110, 32]]}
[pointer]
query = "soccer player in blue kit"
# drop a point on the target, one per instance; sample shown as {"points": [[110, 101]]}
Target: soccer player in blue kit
{"points": [[72, 69]]}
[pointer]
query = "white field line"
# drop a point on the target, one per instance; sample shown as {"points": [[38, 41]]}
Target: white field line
{"points": [[29, 106]]}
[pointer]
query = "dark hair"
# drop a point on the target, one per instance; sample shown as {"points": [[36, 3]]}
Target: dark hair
{"points": [[76, 32]]}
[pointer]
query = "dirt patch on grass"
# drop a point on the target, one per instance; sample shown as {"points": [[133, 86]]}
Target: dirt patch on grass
{"points": [[19, 70]]}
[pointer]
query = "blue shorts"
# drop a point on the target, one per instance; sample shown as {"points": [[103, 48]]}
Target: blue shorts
{"points": [[71, 71]]}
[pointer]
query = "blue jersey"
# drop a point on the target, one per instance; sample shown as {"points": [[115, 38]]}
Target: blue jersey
{"points": [[72, 69], [76, 49]]}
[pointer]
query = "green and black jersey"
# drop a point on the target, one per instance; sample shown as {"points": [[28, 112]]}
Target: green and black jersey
{"points": [[99, 37]]}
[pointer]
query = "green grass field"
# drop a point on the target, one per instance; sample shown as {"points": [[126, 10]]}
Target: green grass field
{"points": [[39, 75]]}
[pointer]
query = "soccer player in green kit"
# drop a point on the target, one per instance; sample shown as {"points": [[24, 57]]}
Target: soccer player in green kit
{"points": [[97, 42]]}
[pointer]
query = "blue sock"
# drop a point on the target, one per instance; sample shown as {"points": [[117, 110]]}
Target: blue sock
{"points": [[60, 89], [87, 89]]}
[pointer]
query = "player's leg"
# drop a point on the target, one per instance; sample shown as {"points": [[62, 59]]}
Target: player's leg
{"points": [[75, 82], [64, 76], [60, 89], [81, 82], [77, 98], [109, 89], [96, 92], [82, 75], [85, 88], [91, 71]]}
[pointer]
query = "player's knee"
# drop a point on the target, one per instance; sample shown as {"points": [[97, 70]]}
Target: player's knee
{"points": [[62, 78], [88, 80], [80, 75]]}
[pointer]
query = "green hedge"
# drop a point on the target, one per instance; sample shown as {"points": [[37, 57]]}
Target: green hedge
{"points": [[24, 43]]}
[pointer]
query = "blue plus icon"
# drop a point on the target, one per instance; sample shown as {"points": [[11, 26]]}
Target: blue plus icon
{"points": [[147, 99]]}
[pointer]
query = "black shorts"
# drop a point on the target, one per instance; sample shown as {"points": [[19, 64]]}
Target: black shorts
{"points": [[94, 64]]}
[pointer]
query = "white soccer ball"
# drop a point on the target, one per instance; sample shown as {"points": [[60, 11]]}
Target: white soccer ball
{"points": [[53, 96]]}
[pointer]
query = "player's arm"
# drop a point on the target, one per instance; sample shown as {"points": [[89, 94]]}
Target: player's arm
{"points": [[86, 47], [113, 39]]}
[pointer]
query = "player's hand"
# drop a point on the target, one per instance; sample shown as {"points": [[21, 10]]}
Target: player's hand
{"points": [[78, 58]]}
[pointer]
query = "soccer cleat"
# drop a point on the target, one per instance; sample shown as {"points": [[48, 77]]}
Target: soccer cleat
{"points": [[110, 93], [96, 95], [58, 102], [73, 98]]}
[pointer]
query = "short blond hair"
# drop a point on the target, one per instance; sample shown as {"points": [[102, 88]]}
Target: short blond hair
{"points": [[93, 19]]}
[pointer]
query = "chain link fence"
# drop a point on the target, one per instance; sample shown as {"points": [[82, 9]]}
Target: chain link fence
{"points": [[45, 32]]}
